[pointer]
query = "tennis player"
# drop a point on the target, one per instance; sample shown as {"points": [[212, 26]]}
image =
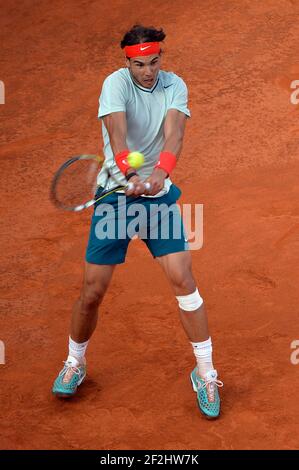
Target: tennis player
{"points": [[142, 108]]}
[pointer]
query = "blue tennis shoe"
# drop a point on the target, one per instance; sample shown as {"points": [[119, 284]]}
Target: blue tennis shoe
{"points": [[69, 379], [206, 389]]}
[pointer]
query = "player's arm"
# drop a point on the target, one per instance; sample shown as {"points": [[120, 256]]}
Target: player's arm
{"points": [[174, 129], [116, 125]]}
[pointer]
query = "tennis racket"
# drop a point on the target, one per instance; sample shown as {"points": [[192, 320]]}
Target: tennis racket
{"points": [[74, 184]]}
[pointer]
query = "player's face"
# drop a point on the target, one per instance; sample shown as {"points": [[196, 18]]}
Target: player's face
{"points": [[145, 69]]}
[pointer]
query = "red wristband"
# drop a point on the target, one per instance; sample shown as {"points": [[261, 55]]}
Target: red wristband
{"points": [[167, 162], [122, 162]]}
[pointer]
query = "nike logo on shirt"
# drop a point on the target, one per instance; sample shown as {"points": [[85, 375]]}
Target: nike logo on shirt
{"points": [[167, 86]]}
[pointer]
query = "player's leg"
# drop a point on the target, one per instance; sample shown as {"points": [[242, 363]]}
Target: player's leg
{"points": [[104, 251], [166, 241], [85, 312], [83, 323], [178, 269]]}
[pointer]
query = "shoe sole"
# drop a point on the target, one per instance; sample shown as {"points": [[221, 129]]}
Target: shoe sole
{"points": [[69, 395], [195, 390]]}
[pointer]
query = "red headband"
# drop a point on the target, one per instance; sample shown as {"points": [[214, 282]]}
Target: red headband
{"points": [[147, 48]]}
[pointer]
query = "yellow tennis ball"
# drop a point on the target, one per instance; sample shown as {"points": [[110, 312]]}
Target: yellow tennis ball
{"points": [[135, 159]]}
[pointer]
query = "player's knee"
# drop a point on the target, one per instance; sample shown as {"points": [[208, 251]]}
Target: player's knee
{"points": [[190, 302], [91, 296], [183, 282]]}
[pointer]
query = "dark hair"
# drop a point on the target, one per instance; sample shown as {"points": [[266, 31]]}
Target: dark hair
{"points": [[139, 34]]}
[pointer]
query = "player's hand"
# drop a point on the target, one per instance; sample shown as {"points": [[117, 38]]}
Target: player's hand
{"points": [[156, 181], [139, 187]]}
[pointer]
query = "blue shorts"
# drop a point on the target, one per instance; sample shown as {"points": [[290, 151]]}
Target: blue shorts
{"points": [[118, 218]]}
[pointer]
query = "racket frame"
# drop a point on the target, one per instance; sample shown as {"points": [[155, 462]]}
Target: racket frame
{"points": [[91, 202]]}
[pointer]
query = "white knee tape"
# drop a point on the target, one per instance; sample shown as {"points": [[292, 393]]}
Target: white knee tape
{"points": [[190, 302]]}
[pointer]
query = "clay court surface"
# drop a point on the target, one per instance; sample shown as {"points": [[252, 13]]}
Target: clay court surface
{"points": [[240, 160]]}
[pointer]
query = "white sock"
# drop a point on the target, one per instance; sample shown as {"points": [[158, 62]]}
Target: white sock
{"points": [[76, 351], [203, 354]]}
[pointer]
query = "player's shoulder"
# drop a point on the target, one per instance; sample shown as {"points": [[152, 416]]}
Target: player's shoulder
{"points": [[171, 79], [118, 77]]}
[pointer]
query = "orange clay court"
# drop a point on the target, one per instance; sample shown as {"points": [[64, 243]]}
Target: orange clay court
{"points": [[240, 160]]}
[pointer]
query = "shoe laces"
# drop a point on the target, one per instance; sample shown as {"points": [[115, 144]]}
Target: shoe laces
{"points": [[210, 385], [68, 367]]}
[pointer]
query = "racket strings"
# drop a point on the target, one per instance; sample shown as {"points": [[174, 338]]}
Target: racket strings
{"points": [[76, 183]]}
